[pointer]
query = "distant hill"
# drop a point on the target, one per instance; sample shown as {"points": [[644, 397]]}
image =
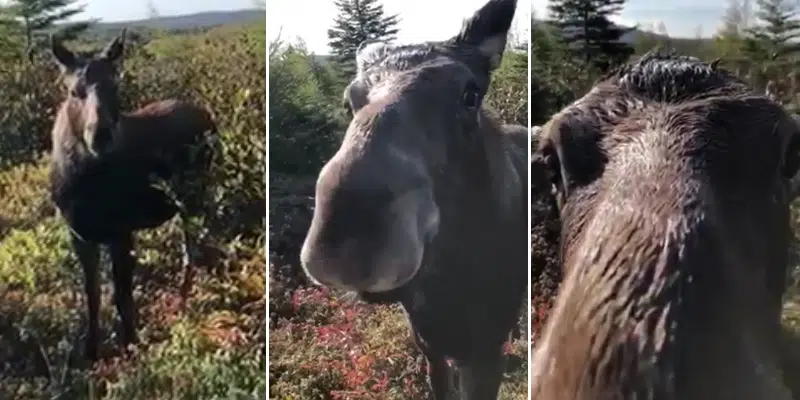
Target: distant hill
{"points": [[680, 44], [636, 34], [187, 22]]}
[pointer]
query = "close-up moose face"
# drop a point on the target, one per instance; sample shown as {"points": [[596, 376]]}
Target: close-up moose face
{"points": [[389, 191], [673, 181], [91, 86]]}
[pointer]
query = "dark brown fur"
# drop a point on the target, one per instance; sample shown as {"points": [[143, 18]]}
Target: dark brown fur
{"points": [[105, 168], [673, 183]]}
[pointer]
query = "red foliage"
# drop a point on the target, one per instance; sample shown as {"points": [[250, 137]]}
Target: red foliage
{"points": [[540, 310], [331, 328]]}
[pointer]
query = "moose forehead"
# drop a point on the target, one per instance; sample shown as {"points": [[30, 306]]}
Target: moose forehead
{"points": [[668, 102], [659, 85], [378, 61], [87, 69], [672, 78]]}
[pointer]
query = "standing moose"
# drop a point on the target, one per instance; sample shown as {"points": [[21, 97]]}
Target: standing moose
{"points": [[425, 202], [105, 164]]}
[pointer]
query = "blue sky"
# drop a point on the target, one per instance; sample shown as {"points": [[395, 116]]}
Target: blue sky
{"points": [[310, 19], [122, 10], [680, 17]]}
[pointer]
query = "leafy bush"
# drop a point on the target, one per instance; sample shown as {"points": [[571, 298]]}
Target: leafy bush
{"points": [[27, 108], [302, 119], [25, 198], [508, 94]]}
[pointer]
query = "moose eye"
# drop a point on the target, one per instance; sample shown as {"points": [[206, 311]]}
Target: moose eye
{"points": [[78, 92], [553, 171], [345, 105], [471, 97]]}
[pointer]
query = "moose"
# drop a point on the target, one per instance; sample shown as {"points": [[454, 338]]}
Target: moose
{"points": [[673, 181], [425, 202], [106, 166]]}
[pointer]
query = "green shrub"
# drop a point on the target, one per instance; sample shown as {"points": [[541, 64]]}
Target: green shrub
{"points": [[25, 200], [302, 120], [508, 94], [34, 258]]}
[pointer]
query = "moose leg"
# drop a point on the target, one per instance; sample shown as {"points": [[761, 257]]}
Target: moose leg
{"points": [[479, 378], [195, 246], [88, 255], [438, 370], [123, 263]]}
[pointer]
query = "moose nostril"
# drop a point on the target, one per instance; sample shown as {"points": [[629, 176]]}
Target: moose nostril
{"points": [[431, 228], [430, 235], [430, 222], [78, 92]]}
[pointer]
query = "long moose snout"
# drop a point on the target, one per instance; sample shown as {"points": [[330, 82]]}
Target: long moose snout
{"points": [[373, 217], [99, 127]]}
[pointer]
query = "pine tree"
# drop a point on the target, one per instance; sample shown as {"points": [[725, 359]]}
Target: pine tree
{"points": [[589, 32], [729, 40], [358, 21], [152, 10], [735, 19], [776, 32], [33, 19]]}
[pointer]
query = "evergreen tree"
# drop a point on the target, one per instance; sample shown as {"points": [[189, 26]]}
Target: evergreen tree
{"points": [[735, 19], [33, 19], [729, 40], [774, 36], [358, 21], [589, 32], [152, 10]]}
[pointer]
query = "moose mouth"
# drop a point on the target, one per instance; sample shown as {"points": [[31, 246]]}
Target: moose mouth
{"points": [[398, 293], [408, 285], [378, 258]]}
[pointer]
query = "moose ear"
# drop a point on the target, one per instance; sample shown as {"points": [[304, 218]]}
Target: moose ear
{"points": [[114, 50], [714, 64], [542, 150], [64, 57], [487, 30]]}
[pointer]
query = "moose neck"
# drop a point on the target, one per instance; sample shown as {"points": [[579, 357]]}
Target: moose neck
{"points": [[652, 297], [490, 183], [478, 206]]}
